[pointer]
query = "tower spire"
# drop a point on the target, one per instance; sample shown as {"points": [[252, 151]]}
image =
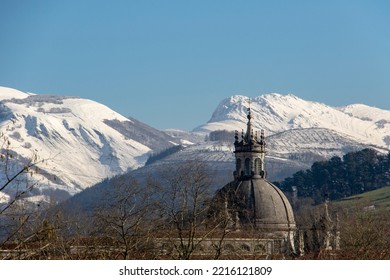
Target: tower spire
{"points": [[249, 130], [250, 152]]}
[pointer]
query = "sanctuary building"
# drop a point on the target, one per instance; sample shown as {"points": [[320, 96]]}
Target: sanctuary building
{"points": [[248, 218], [252, 205]]}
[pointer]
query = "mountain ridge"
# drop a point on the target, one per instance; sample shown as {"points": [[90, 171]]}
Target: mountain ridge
{"points": [[86, 141], [275, 113], [82, 141]]}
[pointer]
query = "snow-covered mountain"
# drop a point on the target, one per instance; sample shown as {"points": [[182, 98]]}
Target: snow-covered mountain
{"points": [[84, 142], [278, 113], [81, 141], [298, 132]]}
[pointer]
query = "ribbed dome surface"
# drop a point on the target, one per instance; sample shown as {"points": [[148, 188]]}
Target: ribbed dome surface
{"points": [[258, 202]]}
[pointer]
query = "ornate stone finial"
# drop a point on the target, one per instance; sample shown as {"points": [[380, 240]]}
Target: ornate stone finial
{"points": [[262, 137], [249, 130]]}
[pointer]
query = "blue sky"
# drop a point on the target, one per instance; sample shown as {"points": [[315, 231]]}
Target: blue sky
{"points": [[169, 63]]}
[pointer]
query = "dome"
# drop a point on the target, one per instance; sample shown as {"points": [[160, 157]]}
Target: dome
{"points": [[257, 203], [251, 201], [250, 204]]}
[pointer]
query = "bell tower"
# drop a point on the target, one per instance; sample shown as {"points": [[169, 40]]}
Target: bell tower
{"points": [[250, 153], [250, 201]]}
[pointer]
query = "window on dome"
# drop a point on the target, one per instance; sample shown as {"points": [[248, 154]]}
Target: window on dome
{"points": [[257, 166], [238, 165], [247, 166]]}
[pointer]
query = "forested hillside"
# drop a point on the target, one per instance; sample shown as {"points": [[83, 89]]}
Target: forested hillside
{"points": [[355, 173]]}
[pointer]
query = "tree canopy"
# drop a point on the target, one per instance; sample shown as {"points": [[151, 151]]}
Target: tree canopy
{"points": [[355, 173]]}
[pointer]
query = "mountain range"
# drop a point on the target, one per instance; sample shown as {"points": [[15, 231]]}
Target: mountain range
{"points": [[84, 142], [277, 113], [81, 141]]}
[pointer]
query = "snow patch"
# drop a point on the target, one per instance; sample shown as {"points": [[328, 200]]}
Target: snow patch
{"points": [[9, 93]]}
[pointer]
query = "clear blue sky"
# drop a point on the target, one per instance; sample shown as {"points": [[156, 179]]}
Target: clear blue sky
{"points": [[169, 63]]}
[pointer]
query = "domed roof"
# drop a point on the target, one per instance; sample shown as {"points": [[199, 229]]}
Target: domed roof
{"points": [[251, 200], [259, 203]]}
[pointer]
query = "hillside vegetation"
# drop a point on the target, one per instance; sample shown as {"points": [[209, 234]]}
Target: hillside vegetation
{"points": [[369, 201], [355, 173], [365, 225]]}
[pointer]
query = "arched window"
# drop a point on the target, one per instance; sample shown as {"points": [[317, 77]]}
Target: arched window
{"points": [[247, 166], [257, 166], [245, 247], [229, 247], [238, 166]]}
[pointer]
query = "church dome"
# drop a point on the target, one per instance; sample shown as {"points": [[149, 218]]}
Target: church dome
{"points": [[258, 203], [251, 201]]}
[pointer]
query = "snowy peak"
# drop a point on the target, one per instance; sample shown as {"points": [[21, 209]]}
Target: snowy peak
{"points": [[9, 93], [234, 107], [276, 113], [367, 113], [83, 141]]}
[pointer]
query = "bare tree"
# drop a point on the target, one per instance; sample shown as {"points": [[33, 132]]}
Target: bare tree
{"points": [[365, 235], [184, 207], [124, 217], [16, 181]]}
